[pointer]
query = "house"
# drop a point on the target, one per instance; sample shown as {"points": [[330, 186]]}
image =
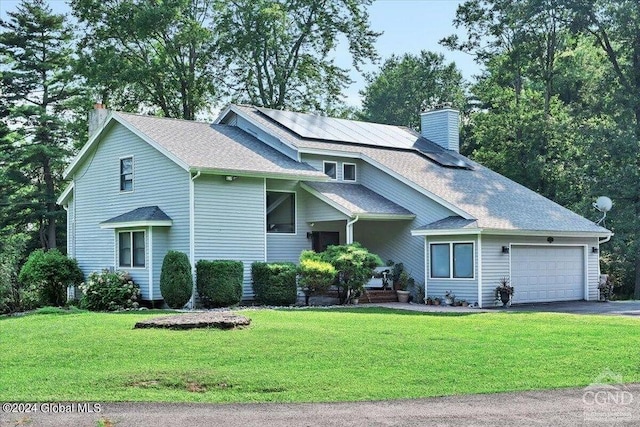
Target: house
{"points": [[263, 185]]}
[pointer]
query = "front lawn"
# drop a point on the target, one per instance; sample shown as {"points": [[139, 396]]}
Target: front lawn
{"points": [[309, 356]]}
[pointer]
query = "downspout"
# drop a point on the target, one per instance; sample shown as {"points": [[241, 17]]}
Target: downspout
{"points": [[192, 236], [350, 229]]}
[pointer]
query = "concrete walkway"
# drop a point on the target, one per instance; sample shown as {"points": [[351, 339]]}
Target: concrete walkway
{"points": [[619, 308]]}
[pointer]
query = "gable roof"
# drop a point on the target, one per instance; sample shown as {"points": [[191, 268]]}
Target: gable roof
{"points": [[492, 200], [219, 149], [140, 217], [357, 200]]}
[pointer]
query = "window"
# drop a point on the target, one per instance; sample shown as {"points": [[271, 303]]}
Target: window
{"points": [[452, 261], [331, 169], [126, 174], [131, 251], [349, 171], [281, 212]]}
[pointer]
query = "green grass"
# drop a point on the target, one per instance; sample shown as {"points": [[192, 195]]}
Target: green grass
{"points": [[309, 356]]}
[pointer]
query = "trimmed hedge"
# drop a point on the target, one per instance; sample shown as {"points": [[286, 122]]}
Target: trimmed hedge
{"points": [[274, 283], [316, 276], [176, 281], [49, 273], [219, 283]]}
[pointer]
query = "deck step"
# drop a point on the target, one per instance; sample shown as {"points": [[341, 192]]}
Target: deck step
{"points": [[377, 296]]}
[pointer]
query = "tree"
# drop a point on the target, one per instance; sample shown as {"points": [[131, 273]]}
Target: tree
{"points": [[278, 52], [37, 84], [157, 55], [407, 84]]}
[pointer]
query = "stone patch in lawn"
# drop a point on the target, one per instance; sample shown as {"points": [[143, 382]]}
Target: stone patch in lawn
{"points": [[205, 319]]}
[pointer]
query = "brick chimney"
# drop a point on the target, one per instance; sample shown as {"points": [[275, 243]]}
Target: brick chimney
{"points": [[96, 118], [441, 124]]}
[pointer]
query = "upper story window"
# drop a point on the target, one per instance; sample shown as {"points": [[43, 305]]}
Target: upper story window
{"points": [[331, 169], [281, 212], [349, 171], [131, 249], [126, 174], [452, 260]]}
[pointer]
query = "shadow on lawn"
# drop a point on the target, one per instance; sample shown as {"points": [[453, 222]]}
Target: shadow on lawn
{"points": [[381, 310]]}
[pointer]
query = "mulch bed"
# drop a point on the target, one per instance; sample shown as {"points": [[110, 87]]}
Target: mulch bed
{"points": [[205, 319]]}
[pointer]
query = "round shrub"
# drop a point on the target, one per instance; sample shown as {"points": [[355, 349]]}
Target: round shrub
{"points": [[316, 276], [219, 283], [49, 273], [274, 283], [109, 291], [176, 281]]}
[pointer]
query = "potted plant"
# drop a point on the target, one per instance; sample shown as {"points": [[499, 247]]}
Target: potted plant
{"points": [[428, 301], [437, 301], [401, 287], [504, 291], [449, 298]]}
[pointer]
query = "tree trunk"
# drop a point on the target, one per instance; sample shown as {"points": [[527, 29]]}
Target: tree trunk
{"points": [[51, 206]]}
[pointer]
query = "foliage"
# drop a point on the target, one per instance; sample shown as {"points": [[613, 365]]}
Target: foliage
{"points": [[504, 288], [355, 266], [109, 291], [38, 84], [407, 85], [316, 276], [176, 281], [50, 273], [278, 52], [219, 283], [274, 283], [156, 54], [606, 285], [12, 249], [256, 364]]}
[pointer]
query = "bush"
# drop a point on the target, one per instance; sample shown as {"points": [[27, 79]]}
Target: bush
{"points": [[49, 273], [176, 281], [109, 291], [355, 266], [316, 276], [219, 283], [274, 283], [12, 248]]}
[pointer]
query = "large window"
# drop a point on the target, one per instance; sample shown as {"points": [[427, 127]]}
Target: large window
{"points": [[331, 169], [126, 174], [452, 260], [348, 171], [281, 212], [131, 249]]}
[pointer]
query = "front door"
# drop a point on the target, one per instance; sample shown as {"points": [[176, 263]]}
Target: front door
{"points": [[321, 239]]}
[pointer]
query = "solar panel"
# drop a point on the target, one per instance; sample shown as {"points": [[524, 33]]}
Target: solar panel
{"points": [[309, 126]]}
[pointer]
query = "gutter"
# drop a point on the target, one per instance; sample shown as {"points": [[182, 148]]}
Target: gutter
{"points": [[350, 229]]}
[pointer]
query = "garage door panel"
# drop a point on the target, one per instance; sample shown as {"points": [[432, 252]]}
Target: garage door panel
{"points": [[543, 273]]}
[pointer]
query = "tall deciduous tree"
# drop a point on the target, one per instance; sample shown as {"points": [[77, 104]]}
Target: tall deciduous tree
{"points": [[156, 55], [37, 84], [279, 52], [407, 84]]}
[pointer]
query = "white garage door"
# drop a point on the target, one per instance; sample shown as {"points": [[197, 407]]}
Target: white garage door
{"points": [[547, 273]]}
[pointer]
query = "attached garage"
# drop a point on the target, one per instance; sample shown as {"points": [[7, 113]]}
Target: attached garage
{"points": [[547, 273]]}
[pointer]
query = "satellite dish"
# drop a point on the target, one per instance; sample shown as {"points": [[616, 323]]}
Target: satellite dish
{"points": [[603, 204]]}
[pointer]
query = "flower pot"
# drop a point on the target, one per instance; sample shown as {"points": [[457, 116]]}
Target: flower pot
{"points": [[403, 296], [505, 297], [355, 301]]}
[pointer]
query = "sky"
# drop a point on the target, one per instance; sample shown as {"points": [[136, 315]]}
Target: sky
{"points": [[408, 26]]}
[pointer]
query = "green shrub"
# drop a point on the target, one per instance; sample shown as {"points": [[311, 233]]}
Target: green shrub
{"points": [[355, 266], [109, 291], [176, 281], [316, 276], [12, 294], [274, 283], [49, 273], [219, 283]]}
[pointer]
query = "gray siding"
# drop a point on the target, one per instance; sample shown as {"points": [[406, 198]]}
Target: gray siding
{"points": [[316, 162], [160, 248], [287, 247], [495, 264], [230, 222], [97, 197], [315, 210], [466, 289]]}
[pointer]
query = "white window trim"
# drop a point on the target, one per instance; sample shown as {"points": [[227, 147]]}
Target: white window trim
{"points": [[324, 163], [133, 174], [295, 213], [355, 172], [451, 278], [144, 233]]}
